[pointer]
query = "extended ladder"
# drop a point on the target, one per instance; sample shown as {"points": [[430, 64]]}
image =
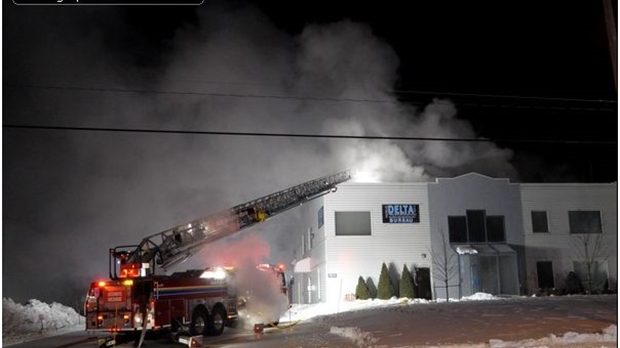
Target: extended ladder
{"points": [[175, 245]]}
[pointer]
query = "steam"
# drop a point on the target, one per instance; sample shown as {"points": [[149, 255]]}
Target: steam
{"points": [[261, 288], [230, 69]]}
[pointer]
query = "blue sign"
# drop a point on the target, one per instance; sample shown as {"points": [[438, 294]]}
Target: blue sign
{"points": [[401, 213]]}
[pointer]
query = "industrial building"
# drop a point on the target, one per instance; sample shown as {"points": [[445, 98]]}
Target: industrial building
{"points": [[458, 236]]}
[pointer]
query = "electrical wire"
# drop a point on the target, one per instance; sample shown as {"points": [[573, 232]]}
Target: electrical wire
{"points": [[307, 135], [608, 105]]}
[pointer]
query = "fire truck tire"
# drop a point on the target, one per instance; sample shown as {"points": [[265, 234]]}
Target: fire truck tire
{"points": [[200, 322], [217, 321]]}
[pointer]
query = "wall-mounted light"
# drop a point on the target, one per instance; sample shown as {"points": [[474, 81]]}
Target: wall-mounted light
{"points": [[423, 256]]}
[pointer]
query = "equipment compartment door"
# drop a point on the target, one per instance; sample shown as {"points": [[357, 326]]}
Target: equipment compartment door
{"points": [[162, 313], [177, 311]]}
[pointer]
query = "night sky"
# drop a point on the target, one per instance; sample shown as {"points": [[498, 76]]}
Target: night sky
{"points": [[535, 79]]}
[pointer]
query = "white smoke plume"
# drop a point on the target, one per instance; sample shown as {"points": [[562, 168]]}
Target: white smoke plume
{"points": [[262, 288], [229, 69]]}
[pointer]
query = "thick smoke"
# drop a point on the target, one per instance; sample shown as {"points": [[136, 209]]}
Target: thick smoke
{"points": [[261, 288], [71, 195]]}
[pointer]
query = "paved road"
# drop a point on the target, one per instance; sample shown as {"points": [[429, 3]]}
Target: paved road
{"points": [[435, 324]]}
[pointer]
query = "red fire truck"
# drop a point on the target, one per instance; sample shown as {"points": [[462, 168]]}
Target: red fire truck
{"points": [[141, 297], [197, 300]]}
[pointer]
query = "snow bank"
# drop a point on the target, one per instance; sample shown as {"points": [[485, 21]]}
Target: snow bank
{"points": [[361, 338], [308, 311], [479, 296], [610, 334], [35, 319]]}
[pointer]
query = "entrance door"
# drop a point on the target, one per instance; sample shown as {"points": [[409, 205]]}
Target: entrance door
{"points": [[489, 274], [423, 283], [476, 282], [544, 269]]}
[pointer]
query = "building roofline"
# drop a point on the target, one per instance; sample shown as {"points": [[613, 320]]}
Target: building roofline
{"points": [[406, 183], [474, 174], [584, 184]]}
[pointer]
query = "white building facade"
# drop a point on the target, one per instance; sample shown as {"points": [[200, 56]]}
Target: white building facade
{"points": [[568, 227], [457, 236], [477, 236], [349, 238]]}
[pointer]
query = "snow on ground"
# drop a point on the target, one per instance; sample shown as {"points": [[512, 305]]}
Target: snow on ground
{"points": [[365, 339], [610, 334], [306, 311], [36, 319]]}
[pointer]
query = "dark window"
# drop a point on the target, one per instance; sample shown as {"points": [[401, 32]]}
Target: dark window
{"points": [[539, 222], [457, 227], [495, 229], [545, 274], [475, 226], [353, 223], [582, 221], [321, 217]]}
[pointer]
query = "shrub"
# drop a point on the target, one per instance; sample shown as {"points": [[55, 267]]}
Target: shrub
{"points": [[406, 284], [385, 289], [573, 284], [361, 291]]}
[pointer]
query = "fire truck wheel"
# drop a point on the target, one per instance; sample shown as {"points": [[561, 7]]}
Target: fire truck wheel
{"points": [[200, 320], [217, 321]]}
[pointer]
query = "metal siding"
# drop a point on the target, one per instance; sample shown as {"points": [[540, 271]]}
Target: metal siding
{"points": [[309, 219], [349, 257], [352, 256], [555, 246], [454, 196]]}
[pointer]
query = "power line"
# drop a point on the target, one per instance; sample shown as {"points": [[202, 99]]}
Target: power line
{"points": [[209, 94], [402, 91], [607, 103], [508, 96], [307, 135]]}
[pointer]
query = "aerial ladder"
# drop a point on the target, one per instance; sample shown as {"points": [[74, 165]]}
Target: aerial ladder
{"points": [[137, 286], [166, 249]]}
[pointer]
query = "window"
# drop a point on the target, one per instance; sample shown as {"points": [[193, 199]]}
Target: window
{"points": [[457, 227], [476, 225], [495, 229], [353, 223], [303, 245], [321, 217], [582, 221], [539, 222]]}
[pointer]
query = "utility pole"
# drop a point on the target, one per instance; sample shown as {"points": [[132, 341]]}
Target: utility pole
{"points": [[612, 38]]}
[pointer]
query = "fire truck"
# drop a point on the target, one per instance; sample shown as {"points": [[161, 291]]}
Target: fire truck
{"points": [[140, 296]]}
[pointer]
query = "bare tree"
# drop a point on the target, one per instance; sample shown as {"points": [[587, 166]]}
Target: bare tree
{"points": [[590, 249], [445, 267]]}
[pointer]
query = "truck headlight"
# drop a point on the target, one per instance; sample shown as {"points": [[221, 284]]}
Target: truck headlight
{"points": [[137, 318]]}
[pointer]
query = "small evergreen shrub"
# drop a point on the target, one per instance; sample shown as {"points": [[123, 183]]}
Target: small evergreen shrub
{"points": [[385, 289], [406, 284], [361, 291], [573, 284]]}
